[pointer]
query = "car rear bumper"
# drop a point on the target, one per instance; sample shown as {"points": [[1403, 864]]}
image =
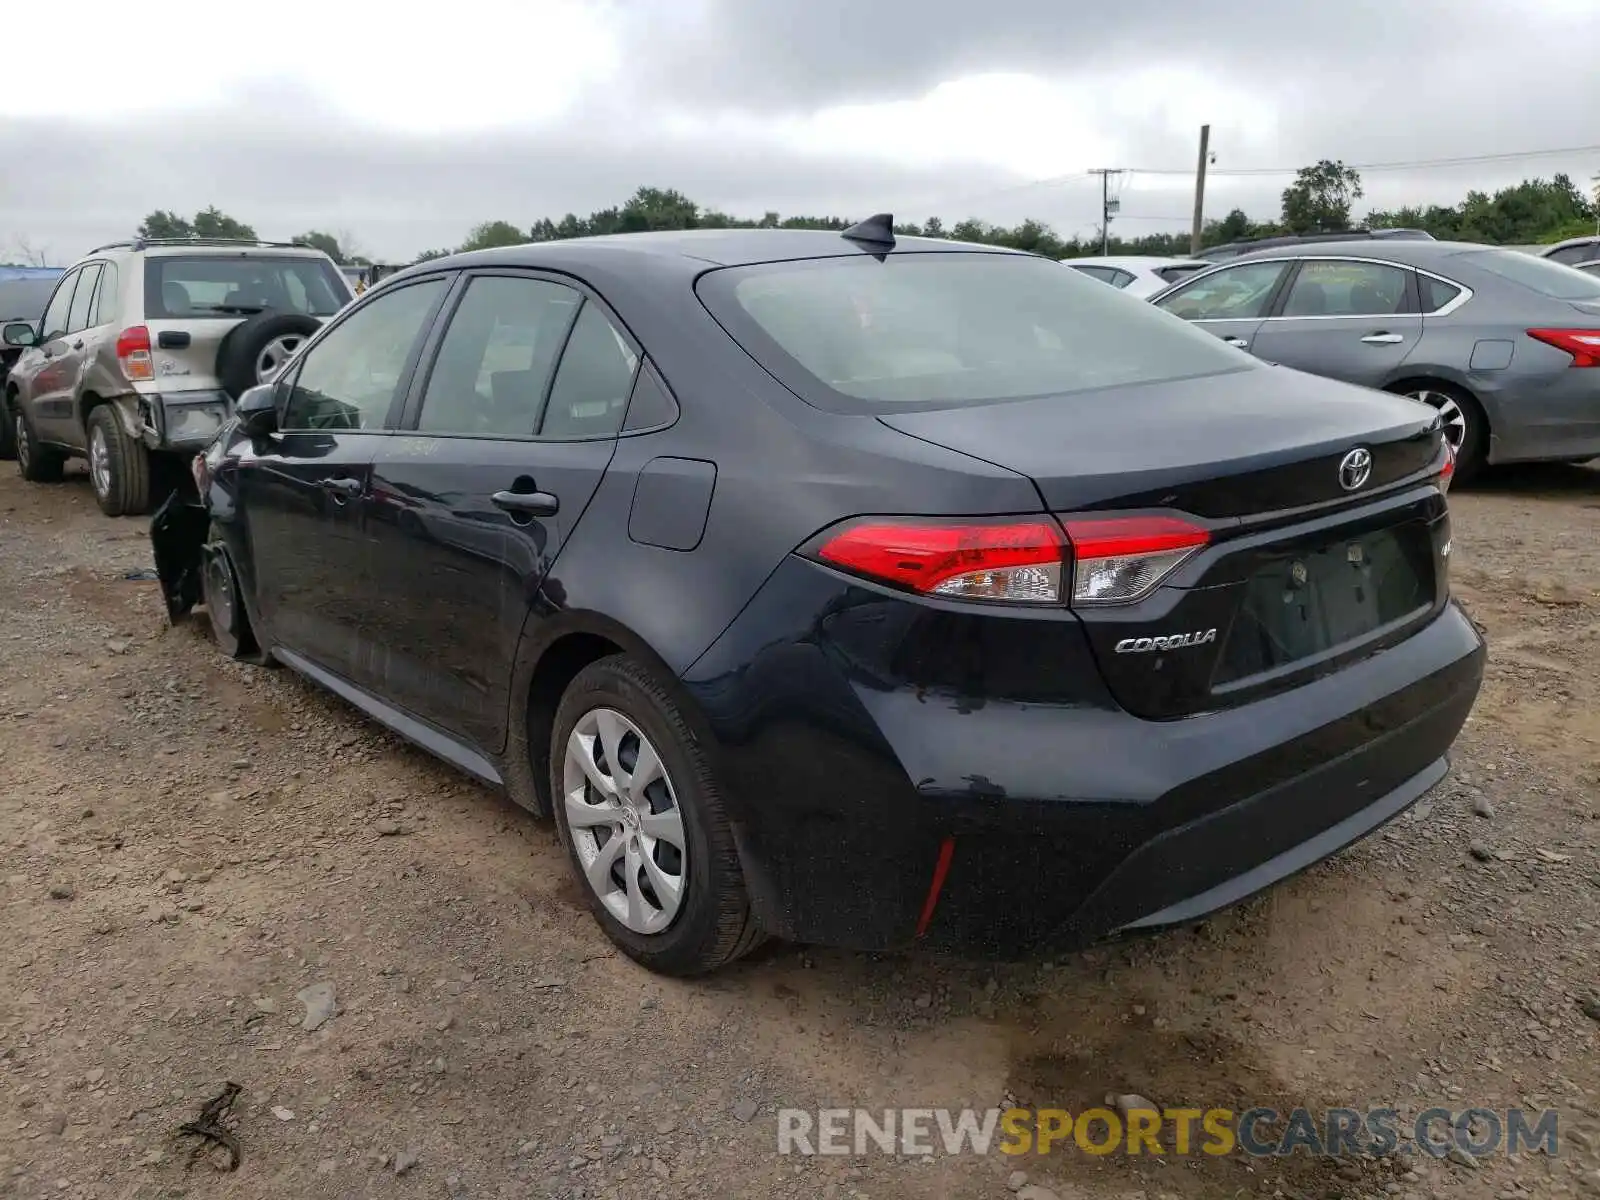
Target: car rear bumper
{"points": [[1046, 824], [1546, 417], [182, 421]]}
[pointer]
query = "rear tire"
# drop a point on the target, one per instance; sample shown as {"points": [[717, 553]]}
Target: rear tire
{"points": [[119, 466], [618, 702], [1465, 426], [35, 463]]}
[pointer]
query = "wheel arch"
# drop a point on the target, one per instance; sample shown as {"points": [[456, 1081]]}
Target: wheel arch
{"points": [[552, 651]]}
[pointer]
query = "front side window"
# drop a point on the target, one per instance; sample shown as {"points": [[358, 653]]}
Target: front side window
{"points": [[83, 298], [1346, 289], [854, 333], [1238, 293], [55, 316], [230, 286], [349, 379], [497, 358]]}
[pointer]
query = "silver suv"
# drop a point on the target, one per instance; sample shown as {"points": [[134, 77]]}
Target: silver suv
{"points": [[143, 347]]}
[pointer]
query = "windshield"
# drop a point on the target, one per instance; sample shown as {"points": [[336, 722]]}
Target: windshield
{"points": [[1542, 275], [222, 286], [942, 329]]}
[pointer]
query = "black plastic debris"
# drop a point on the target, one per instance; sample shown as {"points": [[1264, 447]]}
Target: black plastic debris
{"points": [[211, 1130]]}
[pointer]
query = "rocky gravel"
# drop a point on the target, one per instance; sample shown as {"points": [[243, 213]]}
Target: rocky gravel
{"points": [[214, 873]]}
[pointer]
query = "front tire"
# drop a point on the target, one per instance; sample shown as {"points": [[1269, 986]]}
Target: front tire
{"points": [[225, 610], [119, 466], [35, 463], [641, 815]]}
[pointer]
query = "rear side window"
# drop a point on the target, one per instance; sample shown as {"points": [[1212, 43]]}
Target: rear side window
{"points": [[495, 362], [1436, 293], [590, 394], [939, 329], [1346, 289], [1542, 275], [104, 309], [1103, 274], [227, 286]]}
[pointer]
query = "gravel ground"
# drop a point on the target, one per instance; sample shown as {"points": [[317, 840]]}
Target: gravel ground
{"points": [[193, 855]]}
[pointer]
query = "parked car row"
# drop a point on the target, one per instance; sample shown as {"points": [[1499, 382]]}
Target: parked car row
{"points": [[1502, 343], [142, 348], [873, 591]]}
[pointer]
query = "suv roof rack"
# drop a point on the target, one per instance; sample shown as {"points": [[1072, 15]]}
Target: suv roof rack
{"points": [[139, 243]]}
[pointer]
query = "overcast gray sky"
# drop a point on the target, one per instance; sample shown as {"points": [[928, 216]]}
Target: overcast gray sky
{"points": [[404, 127]]}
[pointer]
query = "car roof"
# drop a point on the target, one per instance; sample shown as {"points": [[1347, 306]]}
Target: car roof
{"points": [[1397, 250], [695, 249], [1135, 260]]}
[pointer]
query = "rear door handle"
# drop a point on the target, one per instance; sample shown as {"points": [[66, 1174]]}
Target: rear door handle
{"points": [[527, 504], [77, 345], [342, 487], [1383, 339], [1239, 342]]}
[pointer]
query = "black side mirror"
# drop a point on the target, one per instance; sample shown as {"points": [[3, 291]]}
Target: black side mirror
{"points": [[257, 410], [19, 333]]}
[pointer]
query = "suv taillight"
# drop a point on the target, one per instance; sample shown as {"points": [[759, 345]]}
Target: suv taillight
{"points": [[133, 352], [1582, 344]]}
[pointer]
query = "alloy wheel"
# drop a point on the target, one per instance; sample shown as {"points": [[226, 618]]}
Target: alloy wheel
{"points": [[275, 355], [1455, 421], [99, 463], [622, 813], [219, 591]]}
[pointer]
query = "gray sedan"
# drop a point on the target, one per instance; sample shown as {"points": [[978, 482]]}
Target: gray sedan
{"points": [[1505, 345]]}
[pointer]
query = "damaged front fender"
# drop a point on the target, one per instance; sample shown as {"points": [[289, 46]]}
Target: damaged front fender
{"points": [[178, 535]]}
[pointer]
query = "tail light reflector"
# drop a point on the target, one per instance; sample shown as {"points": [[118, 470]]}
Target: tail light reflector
{"points": [[1582, 344], [133, 352], [1013, 562], [1117, 560]]}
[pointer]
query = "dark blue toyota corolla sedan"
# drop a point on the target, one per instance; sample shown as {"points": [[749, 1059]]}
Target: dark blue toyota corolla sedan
{"points": [[854, 590]]}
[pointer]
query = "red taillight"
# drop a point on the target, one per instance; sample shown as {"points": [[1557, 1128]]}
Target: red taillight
{"points": [[133, 352], [1117, 560], [1449, 470], [1013, 561], [1582, 344]]}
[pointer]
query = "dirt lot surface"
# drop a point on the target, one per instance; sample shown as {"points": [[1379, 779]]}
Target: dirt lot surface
{"points": [[186, 845]]}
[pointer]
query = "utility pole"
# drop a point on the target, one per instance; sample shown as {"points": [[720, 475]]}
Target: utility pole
{"points": [[1107, 205], [1200, 189]]}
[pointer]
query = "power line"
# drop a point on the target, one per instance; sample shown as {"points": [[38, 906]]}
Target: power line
{"points": [[1418, 164]]}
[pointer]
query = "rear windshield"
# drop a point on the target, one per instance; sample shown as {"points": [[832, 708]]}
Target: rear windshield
{"points": [[947, 329], [229, 286], [1541, 275]]}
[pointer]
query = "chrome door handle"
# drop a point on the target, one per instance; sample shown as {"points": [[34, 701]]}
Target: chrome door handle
{"points": [[527, 504], [342, 487], [1238, 342], [1383, 339]]}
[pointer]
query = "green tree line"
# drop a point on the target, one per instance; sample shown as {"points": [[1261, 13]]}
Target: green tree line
{"points": [[1320, 199]]}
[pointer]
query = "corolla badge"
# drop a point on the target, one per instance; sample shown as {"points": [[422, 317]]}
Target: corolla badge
{"points": [[1176, 641], [1355, 468]]}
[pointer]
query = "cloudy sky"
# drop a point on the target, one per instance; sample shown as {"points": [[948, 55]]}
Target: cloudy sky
{"points": [[403, 126]]}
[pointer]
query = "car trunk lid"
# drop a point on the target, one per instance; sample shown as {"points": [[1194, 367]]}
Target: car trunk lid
{"points": [[1321, 533]]}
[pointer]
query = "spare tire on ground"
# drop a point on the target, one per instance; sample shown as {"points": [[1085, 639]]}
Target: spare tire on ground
{"points": [[256, 349]]}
